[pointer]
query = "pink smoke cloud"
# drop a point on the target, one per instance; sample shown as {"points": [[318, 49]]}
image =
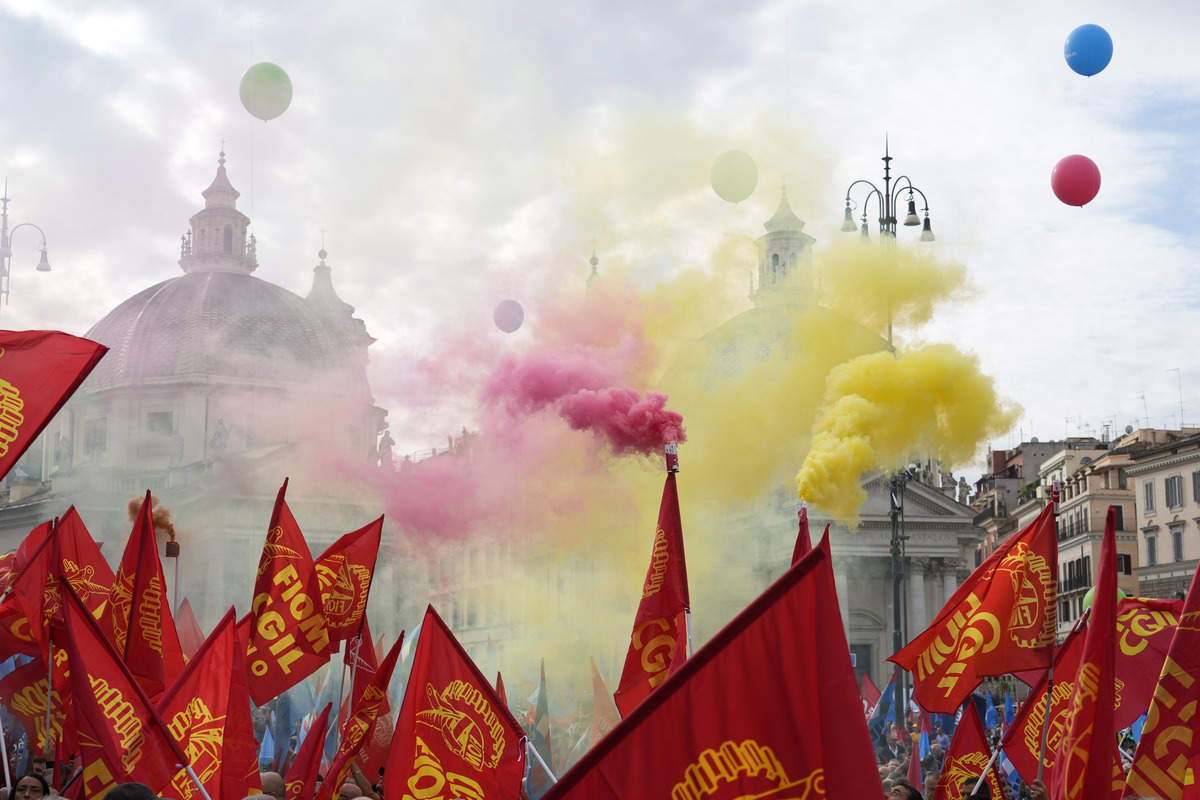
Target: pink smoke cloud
{"points": [[628, 423]]}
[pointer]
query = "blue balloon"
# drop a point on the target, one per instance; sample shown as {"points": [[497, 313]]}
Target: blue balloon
{"points": [[1088, 49]]}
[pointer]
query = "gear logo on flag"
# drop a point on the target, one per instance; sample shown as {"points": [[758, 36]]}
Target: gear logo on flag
{"points": [[1058, 722], [343, 588], [1035, 590], [958, 771], [727, 772], [205, 736], [272, 549], [467, 722]]}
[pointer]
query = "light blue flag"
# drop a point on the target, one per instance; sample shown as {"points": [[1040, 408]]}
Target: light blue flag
{"points": [[266, 754], [989, 719], [1137, 727], [1010, 713]]}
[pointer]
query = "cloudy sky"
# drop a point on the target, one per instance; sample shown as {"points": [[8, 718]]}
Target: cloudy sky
{"points": [[456, 154]]}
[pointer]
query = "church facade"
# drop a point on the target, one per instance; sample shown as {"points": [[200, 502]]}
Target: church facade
{"points": [[217, 385]]}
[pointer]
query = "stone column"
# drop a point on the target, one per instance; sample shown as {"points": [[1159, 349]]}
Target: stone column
{"points": [[918, 619], [841, 580], [949, 579]]}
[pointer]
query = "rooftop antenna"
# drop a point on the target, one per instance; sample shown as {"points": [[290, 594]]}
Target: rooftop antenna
{"points": [[1145, 409], [1179, 381]]}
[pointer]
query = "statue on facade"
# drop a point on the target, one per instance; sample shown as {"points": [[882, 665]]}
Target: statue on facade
{"points": [[220, 438], [384, 451], [964, 490], [63, 452]]}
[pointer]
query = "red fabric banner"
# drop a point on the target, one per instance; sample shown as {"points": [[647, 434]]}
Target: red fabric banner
{"points": [[15, 633], [196, 710], [1090, 767], [1168, 754], [39, 370], [1145, 628], [966, 760], [870, 695], [658, 645], [803, 539], [289, 639], [344, 572], [121, 737], [24, 610], [1003, 618], [191, 636], [143, 628], [369, 706], [768, 708], [454, 738], [301, 779], [1023, 741], [23, 692]]}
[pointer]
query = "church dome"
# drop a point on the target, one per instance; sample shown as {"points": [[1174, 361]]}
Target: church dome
{"points": [[215, 324]]}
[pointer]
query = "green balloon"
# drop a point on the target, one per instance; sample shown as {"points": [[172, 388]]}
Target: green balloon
{"points": [[266, 90], [734, 176], [1087, 598]]}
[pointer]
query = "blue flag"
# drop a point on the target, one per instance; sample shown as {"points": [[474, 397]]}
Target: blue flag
{"points": [[266, 755], [1137, 727], [1009, 712], [990, 720]]}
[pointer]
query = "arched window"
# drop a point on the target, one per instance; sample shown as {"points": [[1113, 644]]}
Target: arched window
{"points": [[774, 267], [228, 246]]}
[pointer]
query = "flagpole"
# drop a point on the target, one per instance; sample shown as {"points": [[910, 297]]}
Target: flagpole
{"points": [[671, 452], [529, 748], [337, 736], [988, 768], [4, 755], [1046, 721], [1055, 495], [192, 774]]}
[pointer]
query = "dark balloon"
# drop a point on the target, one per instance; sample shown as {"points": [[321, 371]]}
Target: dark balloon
{"points": [[509, 315]]}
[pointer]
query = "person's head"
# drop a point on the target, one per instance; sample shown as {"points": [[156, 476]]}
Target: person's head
{"points": [[936, 749], [984, 793], [902, 790], [931, 781], [31, 786], [272, 784], [131, 791], [350, 789], [37, 766], [1006, 789]]}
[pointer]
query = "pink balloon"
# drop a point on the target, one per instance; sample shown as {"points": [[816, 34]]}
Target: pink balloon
{"points": [[1075, 180]]}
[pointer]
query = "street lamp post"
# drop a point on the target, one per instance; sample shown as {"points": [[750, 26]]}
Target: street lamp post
{"points": [[888, 201], [6, 235]]}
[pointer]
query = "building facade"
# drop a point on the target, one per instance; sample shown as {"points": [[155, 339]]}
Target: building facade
{"points": [[1166, 482]]}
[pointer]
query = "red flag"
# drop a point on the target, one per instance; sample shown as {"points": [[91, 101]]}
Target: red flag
{"points": [[659, 643], [80, 560], [197, 707], [344, 572], [803, 540], [190, 634], [288, 640], [16, 634], [369, 706], [452, 731], [301, 780], [914, 764], [1091, 768], [1145, 629], [1023, 740], [361, 658], [39, 370], [605, 716], [1168, 754], [966, 759], [752, 714], [870, 695], [1003, 618], [23, 692], [121, 736], [35, 597], [144, 630]]}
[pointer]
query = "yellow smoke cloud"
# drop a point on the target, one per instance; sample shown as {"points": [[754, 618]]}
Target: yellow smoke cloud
{"points": [[880, 410]]}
